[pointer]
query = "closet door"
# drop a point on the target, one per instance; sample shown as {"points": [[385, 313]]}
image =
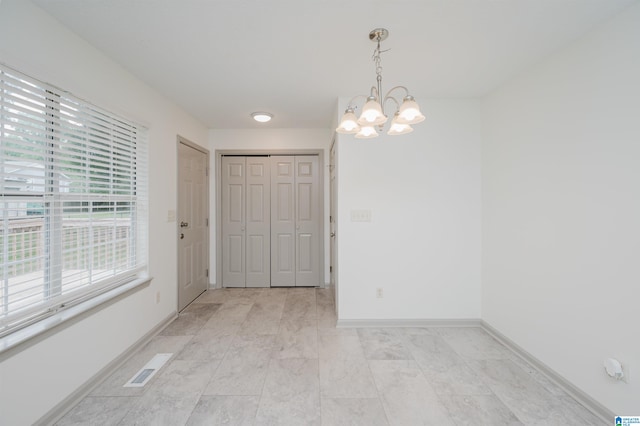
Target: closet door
{"points": [[258, 222], [233, 221], [283, 262], [295, 221], [308, 219], [271, 217]]}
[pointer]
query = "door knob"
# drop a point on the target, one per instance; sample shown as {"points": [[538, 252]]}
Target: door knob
{"points": [[333, 234], [184, 224]]}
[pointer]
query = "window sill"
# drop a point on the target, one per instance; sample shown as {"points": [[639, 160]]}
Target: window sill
{"points": [[23, 338]]}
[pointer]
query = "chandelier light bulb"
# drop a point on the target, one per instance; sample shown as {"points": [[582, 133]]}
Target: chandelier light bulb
{"points": [[398, 128], [372, 113], [409, 112], [367, 132], [349, 123]]}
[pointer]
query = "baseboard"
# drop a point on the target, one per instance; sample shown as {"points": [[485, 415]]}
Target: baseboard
{"points": [[588, 402], [70, 401], [408, 323]]}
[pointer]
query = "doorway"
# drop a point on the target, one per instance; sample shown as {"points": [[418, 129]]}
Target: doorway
{"points": [[270, 219], [192, 221]]}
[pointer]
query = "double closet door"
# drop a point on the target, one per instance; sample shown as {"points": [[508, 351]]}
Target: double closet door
{"points": [[270, 221]]}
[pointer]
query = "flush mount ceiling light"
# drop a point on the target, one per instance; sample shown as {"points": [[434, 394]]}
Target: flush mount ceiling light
{"points": [[372, 115], [261, 117]]}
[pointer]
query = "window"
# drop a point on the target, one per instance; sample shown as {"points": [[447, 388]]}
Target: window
{"points": [[73, 200]]}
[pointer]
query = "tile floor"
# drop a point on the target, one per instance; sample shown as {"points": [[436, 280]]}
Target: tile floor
{"points": [[275, 357]]}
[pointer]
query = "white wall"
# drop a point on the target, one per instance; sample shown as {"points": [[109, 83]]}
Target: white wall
{"points": [[35, 380], [561, 211], [422, 246], [269, 140]]}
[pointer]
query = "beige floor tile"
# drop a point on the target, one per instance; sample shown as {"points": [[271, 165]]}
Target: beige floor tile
{"points": [[406, 396], [224, 410], [291, 394], [244, 368], [275, 357], [353, 412]]}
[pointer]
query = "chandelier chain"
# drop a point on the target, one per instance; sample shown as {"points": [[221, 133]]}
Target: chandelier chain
{"points": [[377, 59]]}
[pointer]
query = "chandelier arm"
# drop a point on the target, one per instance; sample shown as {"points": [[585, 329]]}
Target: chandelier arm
{"points": [[352, 100], [389, 97], [394, 88]]}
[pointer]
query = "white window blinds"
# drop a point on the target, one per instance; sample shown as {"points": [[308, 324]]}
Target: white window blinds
{"points": [[73, 200]]}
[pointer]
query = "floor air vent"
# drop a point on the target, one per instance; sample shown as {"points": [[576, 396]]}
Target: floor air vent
{"points": [[146, 373]]}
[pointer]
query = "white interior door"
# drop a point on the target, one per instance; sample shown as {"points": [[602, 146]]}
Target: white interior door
{"points": [[308, 217], [246, 221], [233, 221], [193, 223], [258, 222], [283, 224]]}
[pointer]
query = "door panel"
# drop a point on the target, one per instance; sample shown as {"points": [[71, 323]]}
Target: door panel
{"points": [[307, 221], [305, 247], [233, 227], [258, 222], [283, 222], [305, 202], [284, 197], [186, 275], [284, 253], [193, 208], [256, 203], [255, 254], [235, 254], [235, 203]]}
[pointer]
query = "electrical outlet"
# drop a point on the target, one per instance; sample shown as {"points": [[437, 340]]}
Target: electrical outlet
{"points": [[616, 370], [379, 293]]}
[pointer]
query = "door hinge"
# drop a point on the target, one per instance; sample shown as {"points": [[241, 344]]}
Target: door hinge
{"points": [[206, 171], [207, 222], [330, 219], [207, 272], [330, 268]]}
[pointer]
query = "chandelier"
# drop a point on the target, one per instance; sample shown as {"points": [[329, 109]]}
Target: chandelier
{"points": [[372, 115]]}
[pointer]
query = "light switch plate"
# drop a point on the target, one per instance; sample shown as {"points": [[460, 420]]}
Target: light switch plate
{"points": [[360, 215], [171, 216]]}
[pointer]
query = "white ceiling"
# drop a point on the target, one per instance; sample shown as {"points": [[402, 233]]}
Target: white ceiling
{"points": [[222, 59]]}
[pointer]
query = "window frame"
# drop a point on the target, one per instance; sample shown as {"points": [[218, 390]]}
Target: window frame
{"points": [[57, 307]]}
